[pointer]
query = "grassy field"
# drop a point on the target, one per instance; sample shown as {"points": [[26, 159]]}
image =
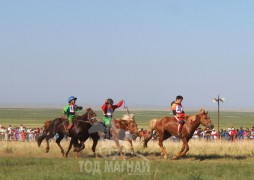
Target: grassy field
{"points": [[205, 160], [214, 160]]}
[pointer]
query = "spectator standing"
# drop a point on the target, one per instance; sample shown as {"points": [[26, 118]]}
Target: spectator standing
{"points": [[241, 134], [1, 133], [248, 133], [208, 134], [23, 136], [16, 134], [233, 134], [224, 134], [9, 133], [214, 134]]}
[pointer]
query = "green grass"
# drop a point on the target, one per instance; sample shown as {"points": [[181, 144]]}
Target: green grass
{"points": [[57, 168], [204, 161]]}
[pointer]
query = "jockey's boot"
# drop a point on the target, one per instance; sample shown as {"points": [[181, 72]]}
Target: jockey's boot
{"points": [[107, 133], [179, 130], [67, 133]]}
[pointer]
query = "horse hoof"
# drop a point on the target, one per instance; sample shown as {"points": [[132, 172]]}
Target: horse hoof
{"points": [[77, 150], [175, 158]]}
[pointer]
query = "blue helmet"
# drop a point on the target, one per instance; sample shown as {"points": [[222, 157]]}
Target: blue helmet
{"points": [[71, 98]]}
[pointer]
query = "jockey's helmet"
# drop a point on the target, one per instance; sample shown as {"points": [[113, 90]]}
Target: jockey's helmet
{"points": [[72, 98], [110, 101]]}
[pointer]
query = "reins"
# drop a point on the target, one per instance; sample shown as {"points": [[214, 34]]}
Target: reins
{"points": [[90, 119]]}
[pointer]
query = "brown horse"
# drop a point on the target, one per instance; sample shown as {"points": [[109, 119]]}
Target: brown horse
{"points": [[119, 127], [58, 126], [167, 126]]}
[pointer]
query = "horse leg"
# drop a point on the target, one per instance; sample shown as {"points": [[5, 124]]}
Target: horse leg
{"points": [[132, 149], [163, 150], [114, 137], [58, 140], [146, 140], [82, 145], [69, 148], [47, 147], [41, 138], [47, 140], [95, 142], [185, 150], [177, 155]]}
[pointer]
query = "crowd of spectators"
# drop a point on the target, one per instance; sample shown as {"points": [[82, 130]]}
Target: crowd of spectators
{"points": [[229, 134], [27, 134], [20, 133]]}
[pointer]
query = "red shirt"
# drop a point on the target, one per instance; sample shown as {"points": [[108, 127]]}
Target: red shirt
{"points": [[105, 107]]}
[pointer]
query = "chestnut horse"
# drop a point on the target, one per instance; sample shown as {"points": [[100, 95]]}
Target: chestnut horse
{"points": [[167, 126], [59, 126]]}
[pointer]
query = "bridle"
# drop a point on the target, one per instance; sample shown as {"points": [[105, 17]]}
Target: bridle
{"points": [[90, 119]]}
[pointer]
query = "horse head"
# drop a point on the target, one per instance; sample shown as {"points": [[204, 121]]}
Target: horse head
{"points": [[132, 126], [204, 119], [89, 115]]}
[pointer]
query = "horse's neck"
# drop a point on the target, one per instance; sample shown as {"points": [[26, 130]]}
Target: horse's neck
{"points": [[194, 123], [57, 121], [122, 123], [83, 117]]}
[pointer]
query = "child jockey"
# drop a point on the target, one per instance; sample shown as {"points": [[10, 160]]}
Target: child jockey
{"points": [[108, 108], [177, 110], [70, 112]]}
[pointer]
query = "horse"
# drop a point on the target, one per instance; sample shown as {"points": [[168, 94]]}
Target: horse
{"points": [[167, 126], [58, 125], [118, 130], [119, 127], [142, 134], [84, 130]]}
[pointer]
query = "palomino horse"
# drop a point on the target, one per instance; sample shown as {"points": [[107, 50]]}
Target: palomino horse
{"points": [[58, 126], [167, 126], [120, 127]]}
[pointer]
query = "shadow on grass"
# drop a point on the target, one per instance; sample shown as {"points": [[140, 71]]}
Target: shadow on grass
{"points": [[214, 156], [153, 155], [199, 157]]}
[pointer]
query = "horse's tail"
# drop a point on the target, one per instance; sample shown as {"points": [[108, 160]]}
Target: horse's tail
{"points": [[44, 134], [152, 124]]}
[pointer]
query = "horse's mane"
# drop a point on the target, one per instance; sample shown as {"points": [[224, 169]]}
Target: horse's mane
{"points": [[85, 114], [193, 117], [128, 117]]}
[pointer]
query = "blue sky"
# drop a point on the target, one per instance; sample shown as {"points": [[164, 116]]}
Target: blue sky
{"points": [[145, 52]]}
